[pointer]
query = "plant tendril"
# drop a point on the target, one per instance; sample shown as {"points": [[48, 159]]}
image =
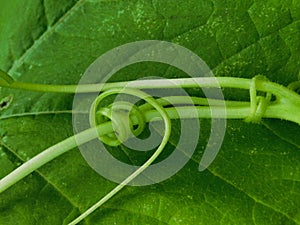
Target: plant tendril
{"points": [[164, 115], [123, 115], [258, 104], [121, 120]]}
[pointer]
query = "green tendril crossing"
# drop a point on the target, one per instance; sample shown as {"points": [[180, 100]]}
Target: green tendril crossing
{"points": [[121, 120]]}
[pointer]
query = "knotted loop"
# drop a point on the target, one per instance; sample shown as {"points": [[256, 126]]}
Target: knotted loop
{"points": [[258, 104], [127, 120]]}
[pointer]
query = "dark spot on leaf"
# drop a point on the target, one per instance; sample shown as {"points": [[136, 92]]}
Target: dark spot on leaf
{"points": [[5, 102]]}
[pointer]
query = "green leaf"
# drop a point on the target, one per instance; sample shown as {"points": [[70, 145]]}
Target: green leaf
{"points": [[255, 178]]}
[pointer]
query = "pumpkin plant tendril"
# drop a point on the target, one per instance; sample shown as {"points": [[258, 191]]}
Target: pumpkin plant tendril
{"points": [[277, 102]]}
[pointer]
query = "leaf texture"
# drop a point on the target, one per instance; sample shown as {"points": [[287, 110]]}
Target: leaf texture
{"points": [[255, 178]]}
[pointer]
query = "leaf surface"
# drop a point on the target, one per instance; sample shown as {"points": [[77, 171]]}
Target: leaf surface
{"points": [[255, 178]]}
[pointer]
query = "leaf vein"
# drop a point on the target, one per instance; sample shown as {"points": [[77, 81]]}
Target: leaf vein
{"points": [[17, 63]]}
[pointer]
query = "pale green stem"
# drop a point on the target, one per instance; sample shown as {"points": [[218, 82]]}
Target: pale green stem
{"points": [[203, 82], [286, 106], [51, 153], [162, 114], [235, 110]]}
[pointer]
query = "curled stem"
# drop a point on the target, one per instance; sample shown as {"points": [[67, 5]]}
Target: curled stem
{"points": [[285, 106], [51, 153], [164, 115]]}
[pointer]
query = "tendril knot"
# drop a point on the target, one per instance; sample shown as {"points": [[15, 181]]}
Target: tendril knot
{"points": [[258, 104], [127, 122]]}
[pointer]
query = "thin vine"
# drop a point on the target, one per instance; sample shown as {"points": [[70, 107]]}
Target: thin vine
{"points": [[278, 102]]}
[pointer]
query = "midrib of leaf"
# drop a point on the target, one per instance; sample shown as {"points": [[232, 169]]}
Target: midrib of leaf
{"points": [[17, 63]]}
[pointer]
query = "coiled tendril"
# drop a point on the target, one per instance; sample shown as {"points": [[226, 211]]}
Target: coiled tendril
{"points": [[126, 118], [123, 110], [258, 104]]}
